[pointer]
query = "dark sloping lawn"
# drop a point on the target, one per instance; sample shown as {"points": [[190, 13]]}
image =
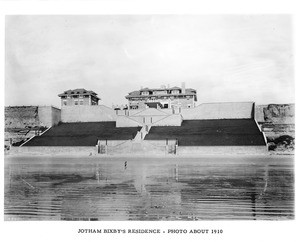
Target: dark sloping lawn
{"points": [[82, 134], [222, 132]]}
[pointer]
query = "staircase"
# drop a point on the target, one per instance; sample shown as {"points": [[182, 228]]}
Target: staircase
{"points": [[141, 134], [138, 139]]}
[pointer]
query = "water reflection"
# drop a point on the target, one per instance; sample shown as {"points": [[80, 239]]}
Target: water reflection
{"points": [[41, 188]]}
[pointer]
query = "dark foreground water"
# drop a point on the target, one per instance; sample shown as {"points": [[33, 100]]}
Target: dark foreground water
{"points": [[90, 188]]}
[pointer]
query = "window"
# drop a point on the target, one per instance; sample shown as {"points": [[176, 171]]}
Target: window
{"points": [[81, 102], [64, 102], [76, 102]]}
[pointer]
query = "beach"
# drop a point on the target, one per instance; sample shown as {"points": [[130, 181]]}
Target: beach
{"points": [[92, 188]]}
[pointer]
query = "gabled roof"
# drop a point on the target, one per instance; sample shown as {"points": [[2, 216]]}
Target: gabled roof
{"points": [[159, 89], [174, 88], [78, 91], [188, 91]]}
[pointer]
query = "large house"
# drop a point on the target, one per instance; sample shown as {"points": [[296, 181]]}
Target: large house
{"points": [[78, 96], [164, 97]]}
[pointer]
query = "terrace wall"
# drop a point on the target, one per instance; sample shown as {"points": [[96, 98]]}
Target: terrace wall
{"points": [[154, 147], [50, 150], [49, 115], [230, 110], [81, 113], [153, 120], [125, 121], [203, 150], [171, 120]]}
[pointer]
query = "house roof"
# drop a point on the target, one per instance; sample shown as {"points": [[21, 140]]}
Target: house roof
{"points": [[160, 89], [77, 91], [188, 91]]}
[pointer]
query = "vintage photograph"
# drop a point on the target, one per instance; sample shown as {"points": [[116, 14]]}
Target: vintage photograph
{"points": [[149, 118]]}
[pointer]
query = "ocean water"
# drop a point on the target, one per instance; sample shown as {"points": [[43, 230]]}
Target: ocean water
{"points": [[108, 188]]}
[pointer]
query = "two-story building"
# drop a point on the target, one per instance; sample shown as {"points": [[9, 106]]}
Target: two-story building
{"points": [[164, 97], [78, 96]]}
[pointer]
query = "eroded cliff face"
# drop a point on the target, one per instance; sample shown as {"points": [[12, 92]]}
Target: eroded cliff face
{"points": [[21, 117], [21, 123], [277, 121], [280, 113]]}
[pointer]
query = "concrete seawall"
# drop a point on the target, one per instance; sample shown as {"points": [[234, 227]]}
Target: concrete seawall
{"points": [[152, 147], [55, 150], [204, 150]]}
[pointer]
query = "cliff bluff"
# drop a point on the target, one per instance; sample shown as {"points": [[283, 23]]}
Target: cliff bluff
{"points": [[277, 121], [23, 122]]}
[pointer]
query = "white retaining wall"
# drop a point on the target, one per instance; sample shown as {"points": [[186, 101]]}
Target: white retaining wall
{"points": [[125, 121], [202, 150], [171, 120], [68, 150], [234, 110], [49, 115], [96, 113]]}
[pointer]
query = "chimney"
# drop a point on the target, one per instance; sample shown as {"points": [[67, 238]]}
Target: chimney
{"points": [[141, 87], [183, 87]]}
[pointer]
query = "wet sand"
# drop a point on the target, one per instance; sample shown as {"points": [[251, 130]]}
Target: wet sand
{"points": [[144, 188]]}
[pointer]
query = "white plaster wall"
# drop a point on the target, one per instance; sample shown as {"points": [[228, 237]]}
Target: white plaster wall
{"points": [[96, 113], [125, 121], [186, 150], [48, 115], [69, 150], [231, 110], [171, 120]]}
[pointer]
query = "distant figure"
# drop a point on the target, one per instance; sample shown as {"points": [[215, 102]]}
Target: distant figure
{"points": [[125, 165]]}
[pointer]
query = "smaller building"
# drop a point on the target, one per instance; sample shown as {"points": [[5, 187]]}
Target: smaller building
{"points": [[79, 96]]}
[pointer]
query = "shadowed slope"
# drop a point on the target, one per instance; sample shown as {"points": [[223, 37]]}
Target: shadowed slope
{"points": [[83, 134], [223, 132]]}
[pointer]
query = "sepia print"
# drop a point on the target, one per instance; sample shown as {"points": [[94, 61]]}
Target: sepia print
{"points": [[149, 117]]}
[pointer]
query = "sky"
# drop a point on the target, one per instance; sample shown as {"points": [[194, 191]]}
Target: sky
{"points": [[226, 58]]}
